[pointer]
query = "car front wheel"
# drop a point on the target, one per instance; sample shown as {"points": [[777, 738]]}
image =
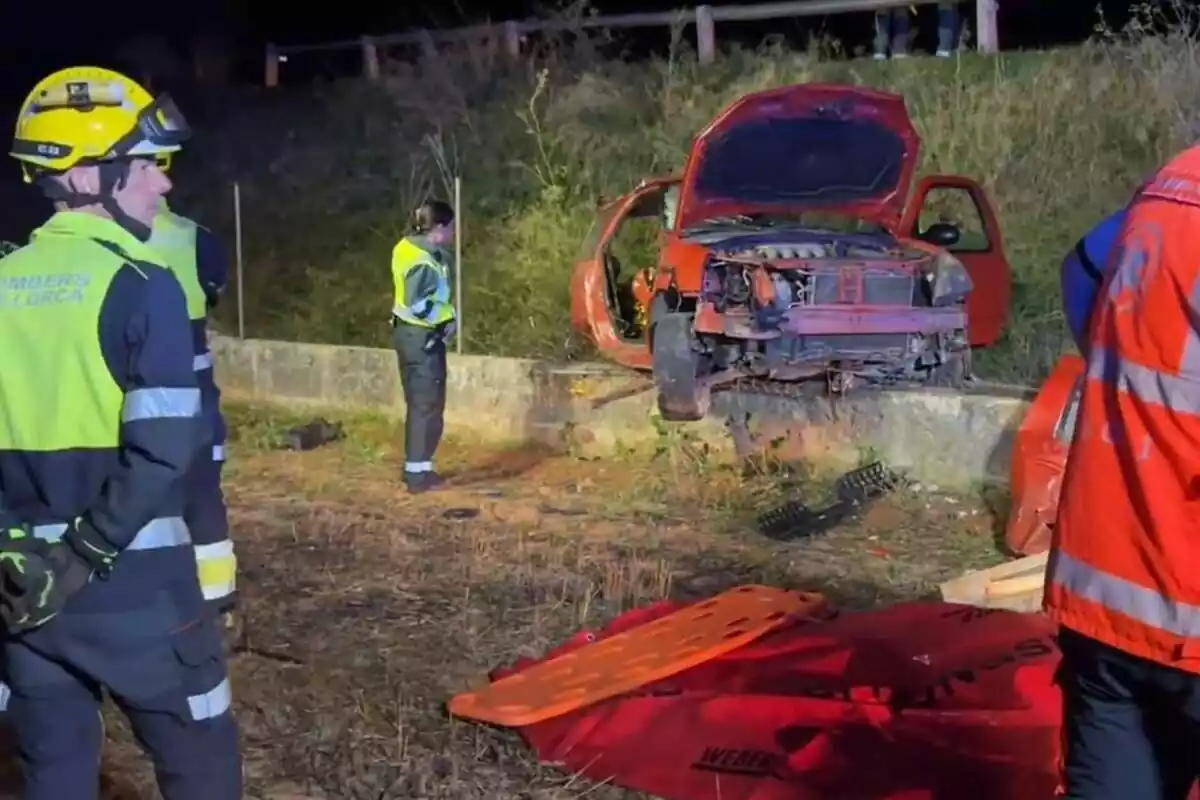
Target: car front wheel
{"points": [[683, 394]]}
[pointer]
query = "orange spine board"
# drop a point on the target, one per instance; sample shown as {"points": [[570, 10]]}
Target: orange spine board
{"points": [[624, 662]]}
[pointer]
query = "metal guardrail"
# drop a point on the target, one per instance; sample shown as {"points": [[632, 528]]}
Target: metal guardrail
{"points": [[704, 17]]}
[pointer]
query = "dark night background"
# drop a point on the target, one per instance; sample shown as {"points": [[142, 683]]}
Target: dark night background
{"points": [[37, 40]]}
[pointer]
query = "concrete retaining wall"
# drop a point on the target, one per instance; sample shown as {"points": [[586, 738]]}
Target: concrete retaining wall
{"points": [[942, 437]]}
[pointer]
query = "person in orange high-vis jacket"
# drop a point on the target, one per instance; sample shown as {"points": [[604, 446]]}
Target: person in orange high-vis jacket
{"points": [[1123, 581]]}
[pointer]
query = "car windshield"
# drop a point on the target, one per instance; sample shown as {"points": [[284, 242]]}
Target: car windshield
{"points": [[800, 160]]}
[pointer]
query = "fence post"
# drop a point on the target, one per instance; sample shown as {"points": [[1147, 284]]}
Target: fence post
{"points": [[491, 41], [986, 33], [512, 38], [706, 36], [428, 47], [271, 72], [198, 59], [458, 308], [370, 58], [241, 286]]}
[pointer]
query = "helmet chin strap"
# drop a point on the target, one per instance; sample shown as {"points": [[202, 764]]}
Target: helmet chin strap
{"points": [[113, 175]]}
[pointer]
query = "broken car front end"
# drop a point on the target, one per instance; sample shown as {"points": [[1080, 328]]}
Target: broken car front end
{"points": [[848, 310], [852, 311]]}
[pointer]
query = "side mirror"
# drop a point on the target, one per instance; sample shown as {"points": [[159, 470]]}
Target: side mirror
{"points": [[943, 234]]}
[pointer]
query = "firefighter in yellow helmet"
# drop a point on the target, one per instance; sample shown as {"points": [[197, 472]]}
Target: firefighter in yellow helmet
{"points": [[100, 418]]}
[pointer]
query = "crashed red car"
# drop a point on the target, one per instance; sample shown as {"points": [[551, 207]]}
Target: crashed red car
{"points": [[793, 248]]}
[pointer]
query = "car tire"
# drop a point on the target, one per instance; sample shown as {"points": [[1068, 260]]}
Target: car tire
{"points": [[683, 396]]}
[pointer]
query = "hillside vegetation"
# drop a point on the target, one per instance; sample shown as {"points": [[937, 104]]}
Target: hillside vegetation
{"points": [[328, 174]]}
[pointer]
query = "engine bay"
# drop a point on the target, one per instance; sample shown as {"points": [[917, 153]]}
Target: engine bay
{"points": [[777, 277], [789, 309]]}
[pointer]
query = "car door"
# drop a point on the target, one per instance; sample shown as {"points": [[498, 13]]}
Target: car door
{"points": [[593, 300], [963, 202]]}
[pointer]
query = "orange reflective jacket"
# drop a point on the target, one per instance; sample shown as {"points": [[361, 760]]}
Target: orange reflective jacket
{"points": [[1125, 564]]}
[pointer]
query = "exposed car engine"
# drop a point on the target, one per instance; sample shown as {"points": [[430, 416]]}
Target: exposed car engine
{"points": [[787, 309]]}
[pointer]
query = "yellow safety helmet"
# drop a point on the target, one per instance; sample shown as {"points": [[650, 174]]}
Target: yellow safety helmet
{"points": [[90, 115]]}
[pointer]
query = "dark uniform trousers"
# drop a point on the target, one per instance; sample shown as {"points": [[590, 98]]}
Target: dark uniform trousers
{"points": [[1132, 726], [149, 643], [423, 377]]}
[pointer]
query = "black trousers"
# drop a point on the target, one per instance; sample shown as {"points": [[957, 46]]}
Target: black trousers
{"points": [[423, 376], [1132, 727]]}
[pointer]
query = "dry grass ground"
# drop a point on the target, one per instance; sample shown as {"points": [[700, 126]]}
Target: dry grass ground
{"points": [[365, 608]]}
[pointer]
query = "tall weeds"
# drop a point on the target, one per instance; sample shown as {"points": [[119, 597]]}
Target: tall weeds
{"points": [[329, 175]]}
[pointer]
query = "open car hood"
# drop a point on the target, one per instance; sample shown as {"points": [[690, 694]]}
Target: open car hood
{"points": [[803, 148]]}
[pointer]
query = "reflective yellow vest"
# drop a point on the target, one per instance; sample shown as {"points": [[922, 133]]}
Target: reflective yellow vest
{"points": [[52, 292], [405, 257], [60, 295], [174, 237]]}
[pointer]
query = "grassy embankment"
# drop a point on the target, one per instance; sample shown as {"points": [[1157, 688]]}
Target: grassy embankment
{"points": [[327, 176]]}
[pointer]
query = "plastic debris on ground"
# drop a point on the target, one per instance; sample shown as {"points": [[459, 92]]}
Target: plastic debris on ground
{"points": [[853, 492], [315, 434]]}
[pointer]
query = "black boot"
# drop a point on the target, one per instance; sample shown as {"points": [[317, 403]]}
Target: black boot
{"points": [[418, 482]]}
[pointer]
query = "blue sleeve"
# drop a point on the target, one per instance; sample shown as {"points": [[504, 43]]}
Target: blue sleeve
{"points": [[1098, 242], [1079, 289], [1083, 273], [146, 339], [212, 265]]}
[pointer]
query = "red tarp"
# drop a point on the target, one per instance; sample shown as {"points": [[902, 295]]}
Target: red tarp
{"points": [[918, 701]]}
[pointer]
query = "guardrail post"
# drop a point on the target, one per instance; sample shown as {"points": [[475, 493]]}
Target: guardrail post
{"points": [[491, 41], [271, 67], [512, 38], [986, 33], [706, 35], [370, 58], [427, 44]]}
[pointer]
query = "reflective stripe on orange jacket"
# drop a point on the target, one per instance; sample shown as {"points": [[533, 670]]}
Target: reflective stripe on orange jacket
{"points": [[1125, 561]]}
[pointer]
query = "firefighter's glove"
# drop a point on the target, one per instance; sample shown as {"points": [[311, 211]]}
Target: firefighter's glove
{"points": [[91, 547], [212, 294], [37, 578]]}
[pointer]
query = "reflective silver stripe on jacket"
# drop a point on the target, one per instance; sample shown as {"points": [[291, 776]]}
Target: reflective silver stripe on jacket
{"points": [[160, 403], [1179, 392], [156, 534], [1117, 594], [213, 703]]}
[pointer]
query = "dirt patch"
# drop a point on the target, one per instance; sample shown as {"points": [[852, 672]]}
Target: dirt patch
{"points": [[365, 608]]}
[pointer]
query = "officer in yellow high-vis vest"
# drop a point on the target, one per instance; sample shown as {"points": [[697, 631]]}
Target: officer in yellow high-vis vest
{"points": [[423, 321], [195, 255], [100, 420]]}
